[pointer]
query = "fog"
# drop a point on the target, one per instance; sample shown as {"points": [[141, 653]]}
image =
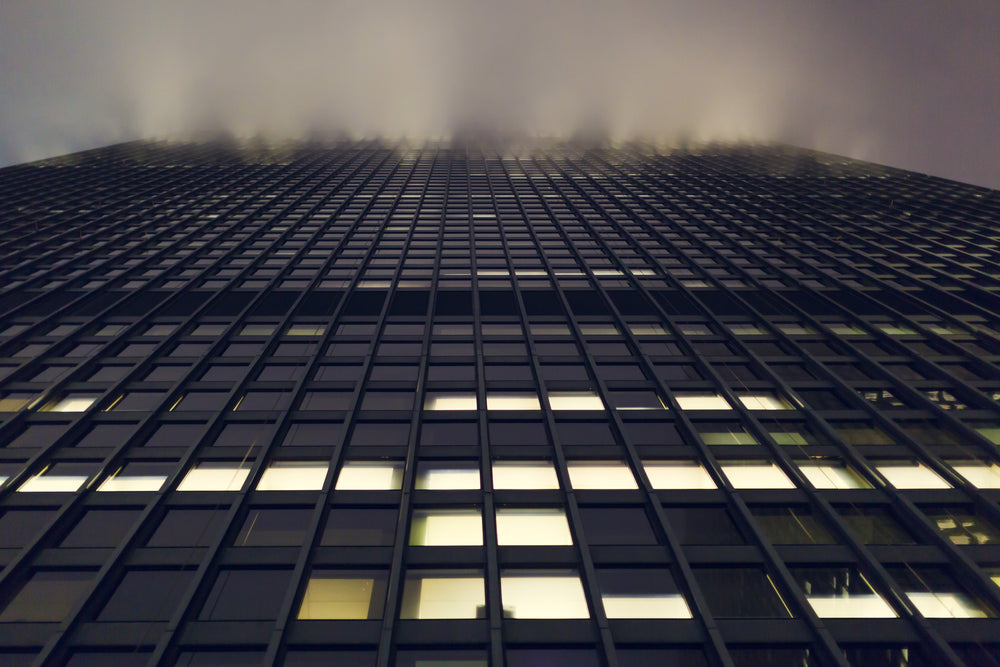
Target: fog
{"points": [[913, 84]]}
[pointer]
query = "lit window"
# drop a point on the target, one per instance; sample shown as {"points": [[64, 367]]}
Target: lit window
{"points": [[911, 475], [518, 527], [524, 475], [370, 476], [441, 478], [448, 594], [305, 330], [702, 402], [543, 595], [450, 402], [647, 329], [15, 402], [600, 475], [846, 330], [841, 593], [946, 605], [136, 477], [575, 400], [746, 330], [215, 477], [795, 330], [512, 402], [980, 475], [832, 475], [61, 477], [677, 475], [337, 595], [446, 528], [896, 330], [755, 475], [293, 476], [764, 402], [71, 404], [641, 593]]}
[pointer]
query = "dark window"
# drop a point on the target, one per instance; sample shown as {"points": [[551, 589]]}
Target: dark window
{"points": [[313, 435], [675, 657], [552, 657], [792, 525], [326, 400], [360, 527], [772, 656], [219, 659], [274, 527], [703, 525], [875, 525], [38, 435], [264, 400], [616, 525], [449, 433], [740, 592], [246, 595], [385, 434], [394, 373], [19, 527], [387, 400], [209, 401], [47, 597], [127, 658], [320, 658], [166, 373], [147, 595], [139, 401], [189, 528], [176, 435], [101, 528], [224, 373]]}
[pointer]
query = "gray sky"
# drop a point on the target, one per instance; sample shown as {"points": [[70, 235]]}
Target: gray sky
{"points": [[910, 83]]}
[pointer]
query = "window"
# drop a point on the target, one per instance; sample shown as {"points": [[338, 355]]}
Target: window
{"points": [[443, 594], [266, 527], [189, 528], [678, 475], [792, 525], [722, 434], [756, 475], [963, 526], [210, 476], [446, 527], [246, 595], [447, 476], [97, 528], [936, 594], [293, 476], [740, 592], [58, 477], [138, 476], [47, 597], [520, 526], [600, 475], [343, 595], [370, 476], [542, 594], [524, 475], [364, 526], [15, 402], [911, 475], [519, 401], [764, 402], [641, 593], [980, 475], [832, 475], [616, 525], [451, 402], [875, 525], [575, 400], [146, 595], [71, 403], [702, 402], [841, 592]]}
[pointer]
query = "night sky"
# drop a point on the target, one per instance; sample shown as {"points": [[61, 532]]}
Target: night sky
{"points": [[912, 84]]}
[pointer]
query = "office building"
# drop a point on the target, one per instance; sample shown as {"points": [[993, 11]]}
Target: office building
{"points": [[466, 405]]}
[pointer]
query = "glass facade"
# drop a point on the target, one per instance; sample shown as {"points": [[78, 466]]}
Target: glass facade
{"points": [[377, 405]]}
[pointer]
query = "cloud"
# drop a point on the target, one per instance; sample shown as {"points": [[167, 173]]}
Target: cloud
{"points": [[912, 84]]}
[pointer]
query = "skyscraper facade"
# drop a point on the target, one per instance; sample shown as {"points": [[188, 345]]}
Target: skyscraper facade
{"points": [[518, 405]]}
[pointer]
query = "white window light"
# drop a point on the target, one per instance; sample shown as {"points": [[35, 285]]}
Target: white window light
{"points": [[53, 483], [831, 476], [600, 475], [524, 475], [444, 479], [520, 401], [446, 528], [945, 605], [646, 606], [543, 595], [980, 475], [764, 402], [753, 475], [370, 476], [71, 404], [864, 605], [215, 477], [575, 400], [451, 402], [912, 475], [337, 598], [702, 402], [678, 475], [293, 476], [126, 482], [454, 595], [518, 527]]}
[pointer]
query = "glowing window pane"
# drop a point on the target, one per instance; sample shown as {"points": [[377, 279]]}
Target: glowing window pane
{"points": [[764, 402], [446, 528], [53, 483], [756, 476], [866, 605], [543, 595], [450, 402], [214, 477], [905, 475], [575, 400], [979, 475], [440, 479], [601, 475], [71, 404], [512, 402], [702, 402], [524, 475], [447, 596], [337, 599], [946, 605], [646, 606], [826, 476], [293, 476], [517, 527], [677, 475], [370, 476], [133, 483]]}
